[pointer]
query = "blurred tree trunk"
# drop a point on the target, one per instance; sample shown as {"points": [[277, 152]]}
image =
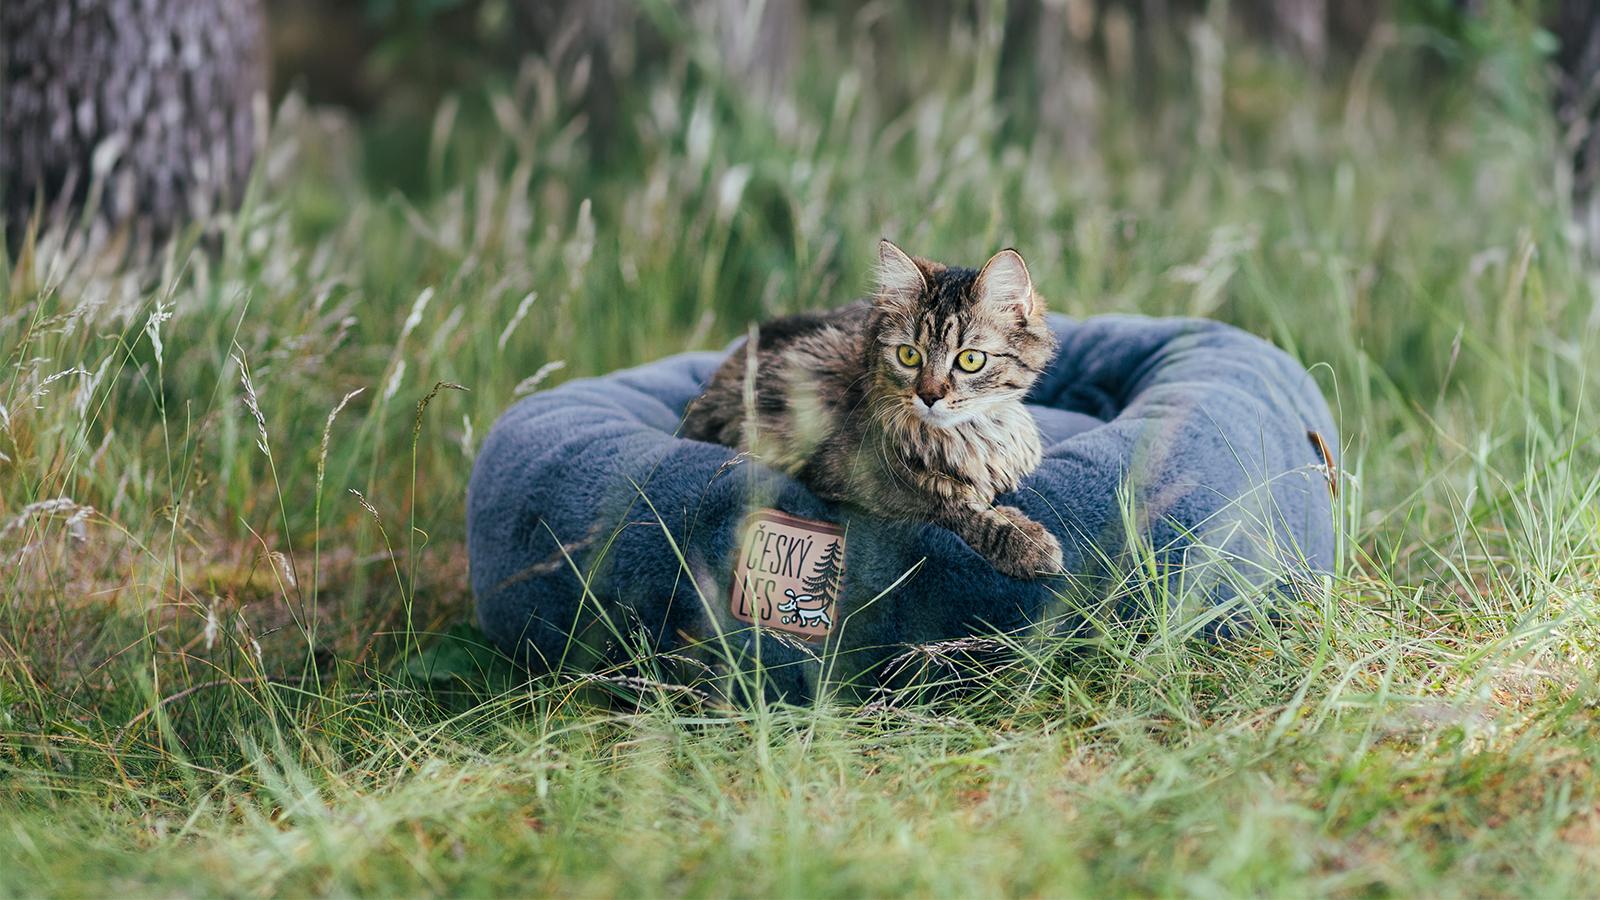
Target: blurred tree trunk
{"points": [[1313, 29], [320, 47], [1576, 25], [150, 104], [609, 41]]}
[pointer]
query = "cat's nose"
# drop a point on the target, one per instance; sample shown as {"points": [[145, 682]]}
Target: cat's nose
{"points": [[930, 397]]}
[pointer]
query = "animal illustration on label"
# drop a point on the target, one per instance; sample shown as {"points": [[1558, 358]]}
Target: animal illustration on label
{"points": [[807, 609]]}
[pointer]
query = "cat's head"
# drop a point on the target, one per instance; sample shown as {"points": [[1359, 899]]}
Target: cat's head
{"points": [[951, 344]]}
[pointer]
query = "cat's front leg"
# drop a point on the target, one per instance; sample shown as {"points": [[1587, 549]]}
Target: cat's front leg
{"points": [[1004, 535]]}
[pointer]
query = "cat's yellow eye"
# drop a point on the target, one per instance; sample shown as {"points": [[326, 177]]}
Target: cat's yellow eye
{"points": [[908, 355], [971, 360]]}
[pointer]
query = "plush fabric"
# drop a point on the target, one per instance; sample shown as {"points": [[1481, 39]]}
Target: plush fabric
{"points": [[594, 532]]}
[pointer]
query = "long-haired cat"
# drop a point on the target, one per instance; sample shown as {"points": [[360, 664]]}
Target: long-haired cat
{"points": [[908, 405]]}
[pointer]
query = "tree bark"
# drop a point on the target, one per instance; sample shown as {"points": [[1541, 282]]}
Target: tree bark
{"points": [[144, 110]]}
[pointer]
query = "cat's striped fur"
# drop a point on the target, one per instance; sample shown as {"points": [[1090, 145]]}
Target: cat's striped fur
{"points": [[837, 405]]}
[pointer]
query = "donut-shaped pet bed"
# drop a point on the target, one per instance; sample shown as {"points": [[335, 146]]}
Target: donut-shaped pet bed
{"points": [[1180, 447]]}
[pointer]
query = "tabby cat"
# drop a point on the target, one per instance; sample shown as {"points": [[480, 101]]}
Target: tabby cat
{"points": [[908, 405]]}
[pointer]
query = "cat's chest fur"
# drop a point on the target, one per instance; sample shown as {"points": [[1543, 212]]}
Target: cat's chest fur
{"points": [[969, 462]]}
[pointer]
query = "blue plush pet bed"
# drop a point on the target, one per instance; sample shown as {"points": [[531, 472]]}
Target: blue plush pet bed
{"points": [[595, 533]]}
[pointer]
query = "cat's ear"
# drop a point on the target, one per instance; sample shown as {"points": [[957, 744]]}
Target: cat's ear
{"points": [[1005, 282], [899, 276]]}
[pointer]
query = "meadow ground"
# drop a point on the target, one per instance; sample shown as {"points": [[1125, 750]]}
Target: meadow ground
{"points": [[233, 653]]}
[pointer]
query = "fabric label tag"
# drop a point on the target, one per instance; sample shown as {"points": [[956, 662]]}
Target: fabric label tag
{"points": [[787, 574]]}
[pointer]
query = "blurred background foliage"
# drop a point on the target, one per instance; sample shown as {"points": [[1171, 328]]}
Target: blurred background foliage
{"points": [[1065, 66]]}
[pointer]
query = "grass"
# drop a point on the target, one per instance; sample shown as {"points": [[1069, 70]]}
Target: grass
{"points": [[232, 596]]}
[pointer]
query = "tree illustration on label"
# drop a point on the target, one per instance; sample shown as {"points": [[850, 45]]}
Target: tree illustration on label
{"points": [[824, 578]]}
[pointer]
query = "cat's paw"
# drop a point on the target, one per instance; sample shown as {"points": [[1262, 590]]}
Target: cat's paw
{"points": [[1028, 550]]}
